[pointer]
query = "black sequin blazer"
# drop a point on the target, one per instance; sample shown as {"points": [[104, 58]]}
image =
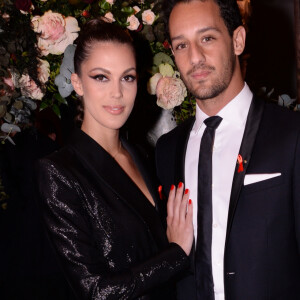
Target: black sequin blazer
{"points": [[110, 240]]}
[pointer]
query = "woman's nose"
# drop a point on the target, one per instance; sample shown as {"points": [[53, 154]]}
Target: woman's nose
{"points": [[117, 90]]}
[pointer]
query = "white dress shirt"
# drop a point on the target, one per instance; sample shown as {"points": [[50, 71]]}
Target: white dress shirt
{"points": [[228, 138]]}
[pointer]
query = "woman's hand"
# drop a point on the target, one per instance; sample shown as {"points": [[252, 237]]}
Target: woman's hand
{"points": [[180, 218]]}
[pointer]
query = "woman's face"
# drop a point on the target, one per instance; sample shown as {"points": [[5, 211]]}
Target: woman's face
{"points": [[108, 85]]}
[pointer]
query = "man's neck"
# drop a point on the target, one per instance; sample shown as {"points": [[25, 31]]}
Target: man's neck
{"points": [[212, 106]]}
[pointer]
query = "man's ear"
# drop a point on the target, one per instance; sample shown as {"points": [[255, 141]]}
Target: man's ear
{"points": [[172, 50], [239, 40], [76, 82]]}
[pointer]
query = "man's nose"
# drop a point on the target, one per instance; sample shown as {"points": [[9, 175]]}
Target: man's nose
{"points": [[196, 54]]}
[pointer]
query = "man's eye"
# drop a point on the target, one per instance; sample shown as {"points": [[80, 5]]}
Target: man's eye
{"points": [[129, 78], [207, 39], [180, 46], [100, 77]]}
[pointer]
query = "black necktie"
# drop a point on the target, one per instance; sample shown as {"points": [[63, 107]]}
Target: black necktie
{"points": [[203, 267]]}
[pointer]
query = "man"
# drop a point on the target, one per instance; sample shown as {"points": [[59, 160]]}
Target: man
{"points": [[254, 233]]}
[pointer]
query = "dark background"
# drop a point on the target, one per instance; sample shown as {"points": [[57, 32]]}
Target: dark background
{"points": [[271, 44]]}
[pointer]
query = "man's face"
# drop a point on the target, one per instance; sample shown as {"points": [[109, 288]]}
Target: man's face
{"points": [[202, 47]]}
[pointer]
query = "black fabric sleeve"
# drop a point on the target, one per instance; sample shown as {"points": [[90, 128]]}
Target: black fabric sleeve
{"points": [[85, 268]]}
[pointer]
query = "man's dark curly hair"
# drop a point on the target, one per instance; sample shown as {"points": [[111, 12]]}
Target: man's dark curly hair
{"points": [[229, 11]]}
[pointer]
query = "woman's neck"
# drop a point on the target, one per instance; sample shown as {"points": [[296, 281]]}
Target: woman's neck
{"points": [[108, 139]]}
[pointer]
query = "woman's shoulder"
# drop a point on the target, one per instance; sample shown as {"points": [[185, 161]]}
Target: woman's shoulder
{"points": [[60, 159], [69, 154]]}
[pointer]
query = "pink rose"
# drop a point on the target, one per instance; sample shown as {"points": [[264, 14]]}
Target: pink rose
{"points": [[136, 9], [170, 92], [133, 22], [9, 82], [109, 17], [148, 17], [56, 32]]}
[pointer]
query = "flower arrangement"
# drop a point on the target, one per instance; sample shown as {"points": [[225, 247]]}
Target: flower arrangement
{"points": [[169, 89], [37, 47]]}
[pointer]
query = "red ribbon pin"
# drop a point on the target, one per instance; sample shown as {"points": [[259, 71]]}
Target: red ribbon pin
{"points": [[240, 162], [160, 192]]}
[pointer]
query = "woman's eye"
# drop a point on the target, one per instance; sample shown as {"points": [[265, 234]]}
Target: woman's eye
{"points": [[100, 77], [129, 78]]}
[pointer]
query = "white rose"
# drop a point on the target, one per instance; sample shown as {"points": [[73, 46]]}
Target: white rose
{"points": [[152, 83], [29, 88], [148, 17], [134, 22], [111, 2], [110, 17]]}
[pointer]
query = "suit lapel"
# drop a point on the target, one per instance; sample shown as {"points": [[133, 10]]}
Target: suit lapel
{"points": [[144, 169], [251, 128], [107, 171], [182, 141]]}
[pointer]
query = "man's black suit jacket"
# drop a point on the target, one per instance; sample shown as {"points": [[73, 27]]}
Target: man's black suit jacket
{"points": [[262, 248]]}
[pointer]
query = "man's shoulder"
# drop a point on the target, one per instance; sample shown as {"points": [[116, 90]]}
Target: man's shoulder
{"points": [[168, 139], [281, 116]]}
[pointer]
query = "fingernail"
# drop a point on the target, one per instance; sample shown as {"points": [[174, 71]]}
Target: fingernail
{"points": [[172, 187], [186, 191], [160, 192], [180, 184], [190, 201]]}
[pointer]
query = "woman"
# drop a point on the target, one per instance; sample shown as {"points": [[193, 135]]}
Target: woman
{"points": [[99, 205]]}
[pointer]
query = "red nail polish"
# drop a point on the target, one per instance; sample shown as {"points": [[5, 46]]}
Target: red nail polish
{"points": [[186, 191], [190, 201], [180, 184], [172, 187], [160, 192]]}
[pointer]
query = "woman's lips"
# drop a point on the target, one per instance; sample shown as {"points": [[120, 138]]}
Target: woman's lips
{"points": [[114, 110]]}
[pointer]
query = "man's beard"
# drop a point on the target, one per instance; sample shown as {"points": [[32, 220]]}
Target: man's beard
{"points": [[217, 86]]}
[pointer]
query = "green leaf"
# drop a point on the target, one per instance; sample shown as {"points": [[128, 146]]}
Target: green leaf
{"points": [[43, 105], [60, 99], [56, 110], [104, 5], [128, 10]]}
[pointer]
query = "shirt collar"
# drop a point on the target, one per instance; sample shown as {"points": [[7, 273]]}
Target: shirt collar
{"points": [[235, 111]]}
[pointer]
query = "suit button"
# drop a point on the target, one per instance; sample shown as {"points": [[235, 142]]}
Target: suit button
{"points": [[229, 274]]}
